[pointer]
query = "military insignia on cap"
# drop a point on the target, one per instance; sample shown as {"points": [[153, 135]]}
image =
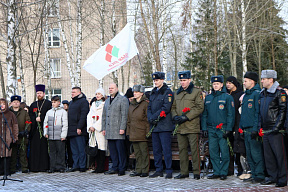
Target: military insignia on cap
{"points": [[215, 78], [16, 98], [249, 105], [221, 106], [181, 76], [283, 98], [153, 76]]}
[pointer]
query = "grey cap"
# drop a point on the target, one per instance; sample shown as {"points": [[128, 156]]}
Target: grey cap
{"points": [[269, 74], [139, 88]]}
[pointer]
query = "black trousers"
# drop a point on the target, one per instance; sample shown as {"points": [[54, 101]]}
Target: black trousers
{"points": [[2, 165], [57, 154], [100, 161], [275, 157]]}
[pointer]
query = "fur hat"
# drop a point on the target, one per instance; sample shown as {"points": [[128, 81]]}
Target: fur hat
{"points": [[139, 88], [269, 74], [16, 97], [158, 75], [218, 78], [184, 74]]}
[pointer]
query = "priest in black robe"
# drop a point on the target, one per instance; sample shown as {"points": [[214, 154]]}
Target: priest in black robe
{"points": [[39, 156]]}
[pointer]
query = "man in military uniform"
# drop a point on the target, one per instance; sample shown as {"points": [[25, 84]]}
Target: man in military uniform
{"points": [[218, 120], [271, 120], [188, 96], [249, 124], [161, 99]]}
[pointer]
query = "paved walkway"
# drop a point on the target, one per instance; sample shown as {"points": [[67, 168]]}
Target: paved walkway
{"points": [[99, 182]]}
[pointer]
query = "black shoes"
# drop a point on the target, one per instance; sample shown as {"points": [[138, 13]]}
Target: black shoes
{"points": [[168, 176], [256, 180], [196, 176], [97, 171], [267, 182], [110, 172], [25, 171], [62, 170], [121, 173], [82, 170], [144, 175], [248, 180], [223, 177], [135, 174], [180, 176], [156, 174], [213, 176], [50, 171], [73, 170], [281, 184]]}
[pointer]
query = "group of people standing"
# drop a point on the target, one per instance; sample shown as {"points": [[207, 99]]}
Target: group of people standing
{"points": [[250, 124]]}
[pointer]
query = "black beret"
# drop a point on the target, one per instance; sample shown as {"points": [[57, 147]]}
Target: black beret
{"points": [[158, 75], [218, 78], [251, 75], [184, 74], [16, 97]]}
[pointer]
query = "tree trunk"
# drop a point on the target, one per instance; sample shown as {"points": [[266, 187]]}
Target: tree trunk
{"points": [[2, 81], [79, 44], [215, 39], [11, 50], [244, 46]]}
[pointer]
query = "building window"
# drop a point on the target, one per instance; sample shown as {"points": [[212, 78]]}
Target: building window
{"points": [[54, 92], [54, 38], [55, 68], [52, 8]]}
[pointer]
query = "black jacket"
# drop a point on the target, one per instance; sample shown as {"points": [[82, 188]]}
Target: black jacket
{"points": [[77, 115], [272, 108]]}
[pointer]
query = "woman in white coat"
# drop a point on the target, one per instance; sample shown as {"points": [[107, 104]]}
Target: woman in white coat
{"points": [[94, 123]]}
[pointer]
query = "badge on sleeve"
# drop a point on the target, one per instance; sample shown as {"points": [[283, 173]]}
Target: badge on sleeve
{"points": [[170, 98], [232, 103], [283, 98]]}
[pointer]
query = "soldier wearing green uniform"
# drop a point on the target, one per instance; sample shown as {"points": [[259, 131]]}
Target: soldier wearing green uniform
{"points": [[188, 123], [249, 125], [217, 123]]}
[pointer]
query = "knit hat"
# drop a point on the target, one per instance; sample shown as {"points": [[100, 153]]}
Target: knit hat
{"points": [[269, 74], [218, 78], [129, 93], [251, 75], [100, 90], [233, 80], [65, 102]]}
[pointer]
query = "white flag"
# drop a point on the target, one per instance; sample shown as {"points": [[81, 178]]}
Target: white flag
{"points": [[113, 55]]}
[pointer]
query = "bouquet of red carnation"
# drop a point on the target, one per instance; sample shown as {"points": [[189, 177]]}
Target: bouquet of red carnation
{"points": [[228, 142], [162, 114], [38, 123], [184, 112], [27, 123]]}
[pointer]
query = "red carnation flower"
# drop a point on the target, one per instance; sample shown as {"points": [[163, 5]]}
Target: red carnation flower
{"points": [[261, 132], [240, 130], [219, 126], [186, 109], [35, 110], [93, 117], [162, 114], [47, 126], [97, 118]]}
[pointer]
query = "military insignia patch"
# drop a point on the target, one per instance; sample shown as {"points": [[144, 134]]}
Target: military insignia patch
{"points": [[232, 103], [170, 100], [249, 105], [259, 101], [221, 106], [250, 99], [283, 98], [201, 96]]}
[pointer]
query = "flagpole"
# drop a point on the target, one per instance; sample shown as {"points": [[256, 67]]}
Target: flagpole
{"points": [[141, 68]]}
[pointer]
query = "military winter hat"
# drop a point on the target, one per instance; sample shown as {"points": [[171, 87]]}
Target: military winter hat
{"points": [[184, 74], [233, 80], [139, 88], [16, 97], [251, 75], [158, 75], [218, 78], [269, 74], [40, 87]]}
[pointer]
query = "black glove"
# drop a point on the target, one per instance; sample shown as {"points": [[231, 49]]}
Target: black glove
{"points": [[154, 122], [21, 134], [254, 134], [127, 136], [175, 118], [205, 134], [26, 134], [181, 119], [241, 136], [226, 134]]}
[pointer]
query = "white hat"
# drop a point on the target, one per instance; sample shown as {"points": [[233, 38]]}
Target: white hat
{"points": [[269, 74], [100, 90]]}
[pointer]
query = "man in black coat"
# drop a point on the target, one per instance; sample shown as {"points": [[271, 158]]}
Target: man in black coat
{"points": [[39, 157], [77, 128], [235, 90]]}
